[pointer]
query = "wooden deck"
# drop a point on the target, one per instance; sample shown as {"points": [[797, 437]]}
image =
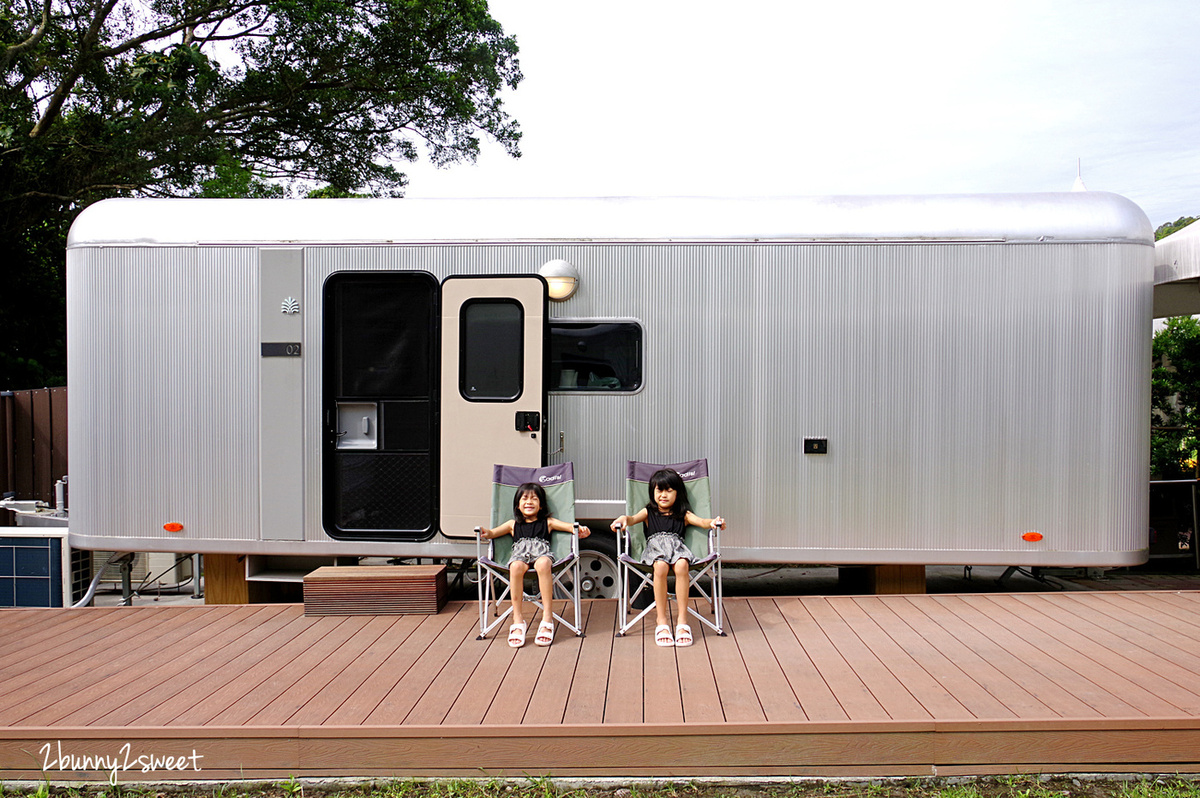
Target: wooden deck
{"points": [[851, 686]]}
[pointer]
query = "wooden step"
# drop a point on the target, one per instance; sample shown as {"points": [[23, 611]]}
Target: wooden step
{"points": [[375, 590]]}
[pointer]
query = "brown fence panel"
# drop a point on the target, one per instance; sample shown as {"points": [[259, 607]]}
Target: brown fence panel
{"points": [[58, 436], [33, 431], [6, 453], [43, 437], [23, 444]]}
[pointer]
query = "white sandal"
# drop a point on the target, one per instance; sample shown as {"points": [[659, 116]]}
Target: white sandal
{"points": [[516, 634], [662, 636], [683, 635], [545, 634]]}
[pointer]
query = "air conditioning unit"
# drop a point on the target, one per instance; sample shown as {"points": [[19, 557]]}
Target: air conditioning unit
{"points": [[113, 572], [161, 567], [166, 568]]}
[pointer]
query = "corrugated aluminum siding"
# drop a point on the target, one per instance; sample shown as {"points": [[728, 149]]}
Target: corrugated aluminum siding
{"points": [[163, 369], [969, 392]]}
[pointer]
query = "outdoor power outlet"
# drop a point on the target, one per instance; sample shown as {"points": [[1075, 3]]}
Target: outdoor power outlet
{"points": [[528, 422], [816, 445]]}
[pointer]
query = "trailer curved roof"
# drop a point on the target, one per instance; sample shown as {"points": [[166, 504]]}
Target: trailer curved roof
{"points": [[1177, 273], [1056, 217]]}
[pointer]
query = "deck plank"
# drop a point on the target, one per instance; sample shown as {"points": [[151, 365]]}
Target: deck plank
{"points": [[698, 693], [767, 678], [553, 682], [661, 694], [936, 700], [975, 664], [1110, 661], [354, 676], [328, 663], [400, 700], [52, 660], [855, 699], [1132, 649], [624, 703], [202, 698], [244, 697], [1146, 629], [39, 626], [142, 671], [1010, 654], [376, 696], [739, 701], [816, 699], [1147, 608], [34, 693], [123, 707], [969, 693], [888, 690], [589, 686], [465, 655], [1184, 607], [1056, 661], [326, 697], [503, 673]]}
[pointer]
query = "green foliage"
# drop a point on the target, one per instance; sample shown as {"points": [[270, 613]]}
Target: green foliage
{"points": [[292, 786], [231, 179], [1166, 229], [1015, 786], [332, 192], [106, 99], [1175, 399], [1159, 788]]}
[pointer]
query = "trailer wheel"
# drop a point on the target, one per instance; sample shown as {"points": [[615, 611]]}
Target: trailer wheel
{"points": [[598, 565]]}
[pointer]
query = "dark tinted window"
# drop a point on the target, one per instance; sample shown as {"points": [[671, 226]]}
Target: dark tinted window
{"points": [[382, 340], [595, 356], [491, 345]]}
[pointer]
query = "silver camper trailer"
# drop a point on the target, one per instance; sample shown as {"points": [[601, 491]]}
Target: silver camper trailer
{"points": [[903, 380]]}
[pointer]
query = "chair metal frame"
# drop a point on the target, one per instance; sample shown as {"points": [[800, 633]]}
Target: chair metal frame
{"points": [[631, 541], [564, 546]]}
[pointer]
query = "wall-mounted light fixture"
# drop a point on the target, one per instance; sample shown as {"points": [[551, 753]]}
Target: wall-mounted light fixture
{"points": [[562, 278]]}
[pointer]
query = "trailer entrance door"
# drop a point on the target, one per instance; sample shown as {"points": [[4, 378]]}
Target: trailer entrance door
{"points": [[379, 386], [493, 397]]}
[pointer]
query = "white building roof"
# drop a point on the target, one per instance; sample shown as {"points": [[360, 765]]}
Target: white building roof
{"points": [[1065, 216], [1177, 273]]}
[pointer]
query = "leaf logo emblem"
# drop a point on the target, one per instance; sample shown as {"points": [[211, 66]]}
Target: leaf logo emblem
{"points": [[291, 305]]}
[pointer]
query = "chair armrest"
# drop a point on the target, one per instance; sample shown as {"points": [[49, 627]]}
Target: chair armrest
{"points": [[491, 547]]}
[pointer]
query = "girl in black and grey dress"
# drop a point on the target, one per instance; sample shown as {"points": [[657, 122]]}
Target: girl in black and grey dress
{"points": [[666, 517], [530, 527]]}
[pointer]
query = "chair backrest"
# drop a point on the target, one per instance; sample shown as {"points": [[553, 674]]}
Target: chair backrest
{"points": [[559, 483], [637, 495]]}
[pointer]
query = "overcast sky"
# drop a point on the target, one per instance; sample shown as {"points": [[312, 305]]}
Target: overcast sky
{"points": [[800, 97]]}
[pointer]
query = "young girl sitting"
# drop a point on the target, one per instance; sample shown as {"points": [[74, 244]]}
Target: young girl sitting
{"points": [[667, 516], [530, 527]]}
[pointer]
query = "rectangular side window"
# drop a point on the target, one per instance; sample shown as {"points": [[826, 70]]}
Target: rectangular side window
{"points": [[595, 356], [492, 345]]}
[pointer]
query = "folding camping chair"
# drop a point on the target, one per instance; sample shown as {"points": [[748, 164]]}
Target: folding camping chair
{"points": [[491, 567], [635, 576]]}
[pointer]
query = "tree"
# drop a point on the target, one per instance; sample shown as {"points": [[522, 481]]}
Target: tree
{"points": [[1167, 228], [110, 98], [1175, 399]]}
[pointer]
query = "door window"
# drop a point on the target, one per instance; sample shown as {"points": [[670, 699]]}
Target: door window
{"points": [[492, 346]]}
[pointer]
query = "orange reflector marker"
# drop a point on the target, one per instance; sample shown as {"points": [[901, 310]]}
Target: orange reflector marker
{"points": [[1032, 537], [173, 527]]}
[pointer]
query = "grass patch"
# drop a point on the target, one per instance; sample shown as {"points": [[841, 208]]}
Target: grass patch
{"points": [[541, 787]]}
